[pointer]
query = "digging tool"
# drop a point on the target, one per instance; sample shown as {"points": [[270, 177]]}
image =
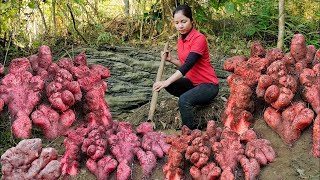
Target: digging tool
{"points": [[158, 78]]}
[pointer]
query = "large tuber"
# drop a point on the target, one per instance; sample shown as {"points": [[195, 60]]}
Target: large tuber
{"points": [[316, 137], [250, 167], [148, 161], [103, 168], [51, 122], [70, 160], [228, 151], [209, 172], [155, 142], [310, 80], [237, 114], [261, 150], [290, 123], [95, 144], [29, 161], [124, 144], [20, 90]]}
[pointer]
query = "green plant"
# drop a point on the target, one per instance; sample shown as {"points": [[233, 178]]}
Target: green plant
{"points": [[104, 38]]}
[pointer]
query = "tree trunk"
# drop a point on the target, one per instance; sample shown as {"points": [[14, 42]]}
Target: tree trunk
{"points": [[126, 8], [42, 16], [143, 4], [54, 17], [96, 4], [167, 10], [90, 19], [64, 12], [94, 7], [74, 24], [281, 25]]}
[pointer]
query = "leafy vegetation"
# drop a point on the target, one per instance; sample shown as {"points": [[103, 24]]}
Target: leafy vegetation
{"points": [[27, 24]]}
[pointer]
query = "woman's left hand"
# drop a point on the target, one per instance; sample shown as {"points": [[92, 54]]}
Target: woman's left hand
{"points": [[157, 86]]}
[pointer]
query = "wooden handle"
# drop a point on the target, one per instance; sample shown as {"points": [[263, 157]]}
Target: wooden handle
{"points": [[158, 78]]}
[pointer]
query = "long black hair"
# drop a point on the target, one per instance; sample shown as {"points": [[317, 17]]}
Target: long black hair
{"points": [[186, 11]]}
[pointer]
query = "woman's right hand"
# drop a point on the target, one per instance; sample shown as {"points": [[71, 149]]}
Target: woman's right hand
{"points": [[157, 86], [169, 57]]}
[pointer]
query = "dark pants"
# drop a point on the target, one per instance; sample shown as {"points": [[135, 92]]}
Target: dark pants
{"points": [[190, 96]]}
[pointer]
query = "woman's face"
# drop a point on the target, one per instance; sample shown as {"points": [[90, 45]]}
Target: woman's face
{"points": [[182, 23]]}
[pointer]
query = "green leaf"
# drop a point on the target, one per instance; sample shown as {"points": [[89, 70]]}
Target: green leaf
{"points": [[77, 1], [250, 31], [104, 37], [203, 30], [242, 1], [99, 27], [4, 6], [32, 5], [230, 8]]}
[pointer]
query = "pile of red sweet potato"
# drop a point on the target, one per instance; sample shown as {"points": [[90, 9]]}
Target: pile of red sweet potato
{"points": [[113, 149], [216, 153], [40, 91], [288, 83], [49, 94]]}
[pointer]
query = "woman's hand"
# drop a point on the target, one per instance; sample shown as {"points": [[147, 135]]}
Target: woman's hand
{"points": [[169, 57], [157, 86]]}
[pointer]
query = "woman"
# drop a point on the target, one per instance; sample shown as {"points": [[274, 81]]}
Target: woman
{"points": [[195, 82]]}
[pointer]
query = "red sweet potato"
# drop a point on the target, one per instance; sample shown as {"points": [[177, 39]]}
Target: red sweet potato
{"points": [[316, 137], [29, 161], [19, 65], [263, 83], [144, 128], [227, 174], [248, 136], [173, 169], [298, 48], [291, 122], [103, 168], [71, 157], [124, 145], [80, 59], [274, 54], [210, 171], [237, 114], [310, 79], [20, 90], [155, 142], [230, 63], [148, 161], [198, 153], [257, 50], [250, 167], [261, 150], [284, 98], [228, 153], [95, 144]]}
